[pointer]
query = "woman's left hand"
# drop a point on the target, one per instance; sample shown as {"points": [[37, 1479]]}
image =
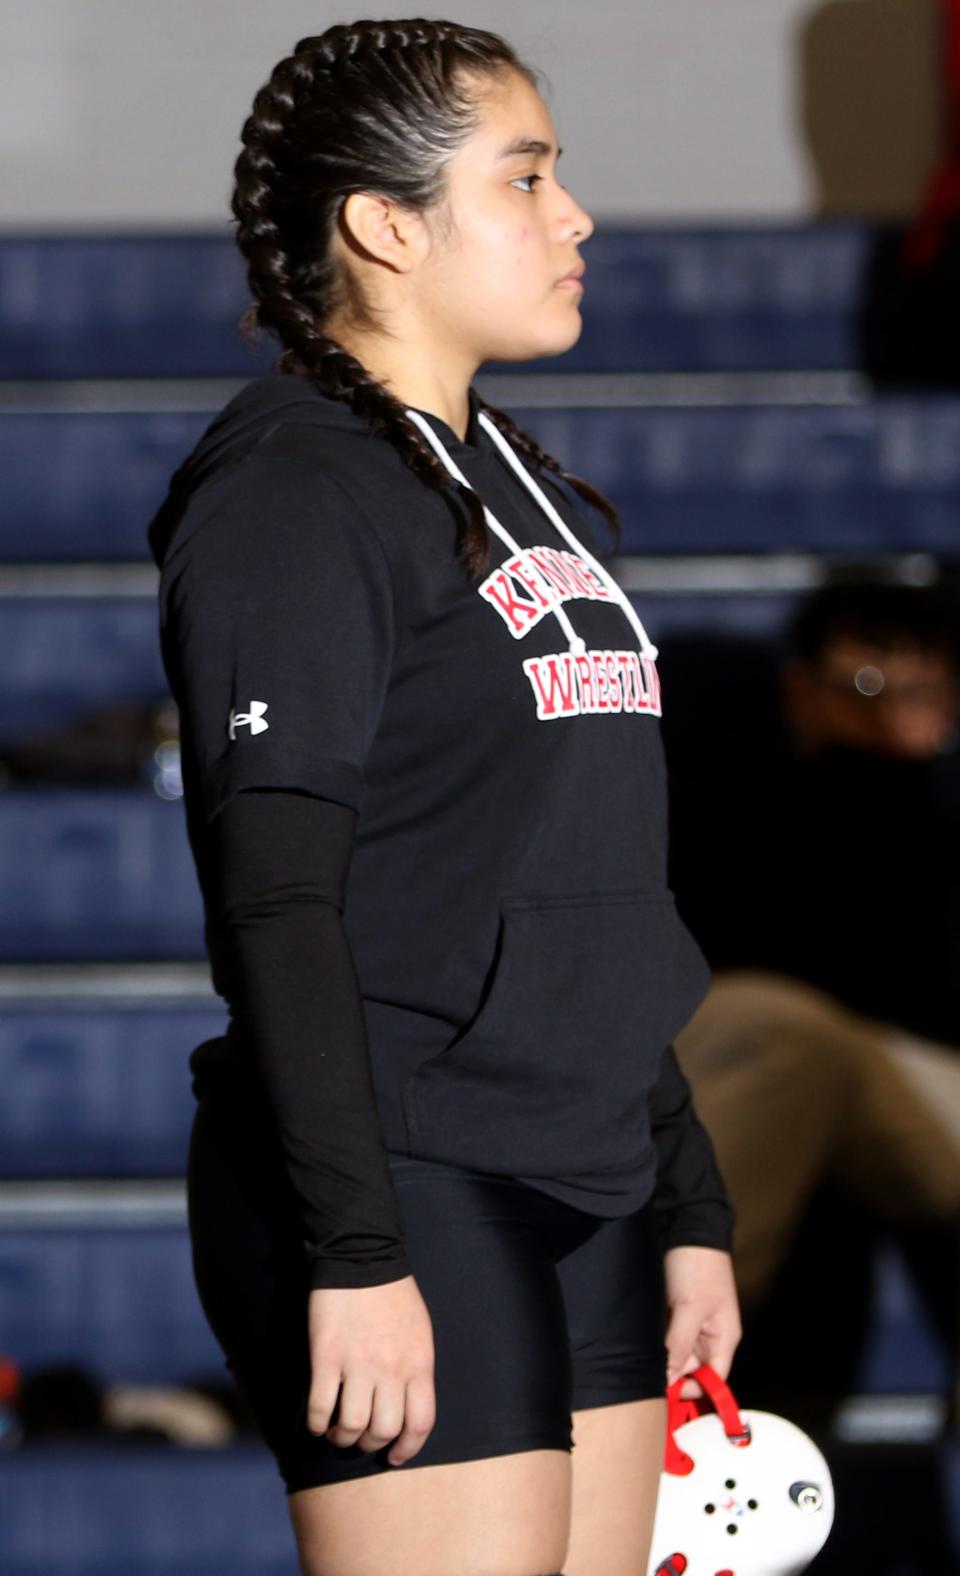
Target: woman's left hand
{"points": [[703, 1312]]}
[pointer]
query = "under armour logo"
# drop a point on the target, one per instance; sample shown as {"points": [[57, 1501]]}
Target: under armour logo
{"points": [[254, 717]]}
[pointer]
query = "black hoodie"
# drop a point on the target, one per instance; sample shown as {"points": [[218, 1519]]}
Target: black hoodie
{"points": [[521, 961]]}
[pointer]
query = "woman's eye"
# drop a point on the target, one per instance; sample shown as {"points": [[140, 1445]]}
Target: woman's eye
{"points": [[527, 178]]}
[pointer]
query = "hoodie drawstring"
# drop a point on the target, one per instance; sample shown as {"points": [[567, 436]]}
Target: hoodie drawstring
{"points": [[533, 486], [576, 642]]}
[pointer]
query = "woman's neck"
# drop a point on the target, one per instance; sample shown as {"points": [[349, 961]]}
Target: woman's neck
{"points": [[414, 374]]}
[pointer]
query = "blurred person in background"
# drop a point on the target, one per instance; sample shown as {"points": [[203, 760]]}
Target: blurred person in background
{"points": [[820, 870], [446, 1132]]}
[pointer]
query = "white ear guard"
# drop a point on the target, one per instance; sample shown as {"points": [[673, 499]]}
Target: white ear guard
{"points": [[741, 1493]]}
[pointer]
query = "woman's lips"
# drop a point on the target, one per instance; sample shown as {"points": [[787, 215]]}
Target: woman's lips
{"points": [[570, 283]]}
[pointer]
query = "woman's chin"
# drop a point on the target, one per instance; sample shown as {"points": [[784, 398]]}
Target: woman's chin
{"points": [[554, 341], [567, 329]]}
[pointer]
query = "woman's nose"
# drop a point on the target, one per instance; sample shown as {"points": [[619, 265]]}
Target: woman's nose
{"points": [[583, 222]]}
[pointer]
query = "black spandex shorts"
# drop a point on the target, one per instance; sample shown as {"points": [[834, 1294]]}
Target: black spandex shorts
{"points": [[537, 1309]]}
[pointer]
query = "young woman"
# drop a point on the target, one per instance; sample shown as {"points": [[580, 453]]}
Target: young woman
{"points": [[450, 1205]]}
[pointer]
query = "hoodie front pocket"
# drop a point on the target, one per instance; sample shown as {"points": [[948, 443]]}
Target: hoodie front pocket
{"points": [[554, 1073]]}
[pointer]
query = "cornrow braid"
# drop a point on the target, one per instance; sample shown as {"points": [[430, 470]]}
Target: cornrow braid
{"points": [[370, 106]]}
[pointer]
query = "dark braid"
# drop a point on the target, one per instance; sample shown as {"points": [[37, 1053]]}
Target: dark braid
{"points": [[373, 106]]}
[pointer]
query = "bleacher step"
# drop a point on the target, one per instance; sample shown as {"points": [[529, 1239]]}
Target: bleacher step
{"points": [[102, 1084], [105, 1279], [684, 298], [143, 1510], [863, 478]]}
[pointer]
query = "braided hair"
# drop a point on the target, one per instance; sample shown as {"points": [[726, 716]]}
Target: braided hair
{"points": [[370, 106]]}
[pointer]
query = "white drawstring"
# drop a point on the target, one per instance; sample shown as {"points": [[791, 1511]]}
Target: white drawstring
{"points": [[532, 486], [576, 642]]}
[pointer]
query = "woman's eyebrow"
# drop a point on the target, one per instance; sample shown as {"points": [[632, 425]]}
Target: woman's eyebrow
{"points": [[531, 145]]}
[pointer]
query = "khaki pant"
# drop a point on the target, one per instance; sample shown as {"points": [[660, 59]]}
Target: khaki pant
{"points": [[794, 1089]]}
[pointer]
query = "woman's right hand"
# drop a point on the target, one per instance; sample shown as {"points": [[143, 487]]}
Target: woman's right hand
{"points": [[377, 1342]]}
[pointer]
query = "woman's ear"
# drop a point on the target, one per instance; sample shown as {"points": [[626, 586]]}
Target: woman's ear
{"points": [[382, 230]]}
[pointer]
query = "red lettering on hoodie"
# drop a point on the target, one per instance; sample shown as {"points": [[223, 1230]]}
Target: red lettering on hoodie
{"points": [[552, 681], [625, 662], [520, 570], [536, 580], [551, 566], [585, 673], [584, 581], [653, 684], [516, 612], [613, 681], [593, 682]]}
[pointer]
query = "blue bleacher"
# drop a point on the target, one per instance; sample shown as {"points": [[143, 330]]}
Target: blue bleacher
{"points": [[102, 1087], [114, 655], [871, 477], [84, 484], [83, 306], [119, 1300], [903, 1352], [90, 1510], [95, 875], [152, 1511]]}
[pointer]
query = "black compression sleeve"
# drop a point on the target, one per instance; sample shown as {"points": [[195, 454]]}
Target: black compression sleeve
{"points": [[281, 861], [690, 1198]]}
